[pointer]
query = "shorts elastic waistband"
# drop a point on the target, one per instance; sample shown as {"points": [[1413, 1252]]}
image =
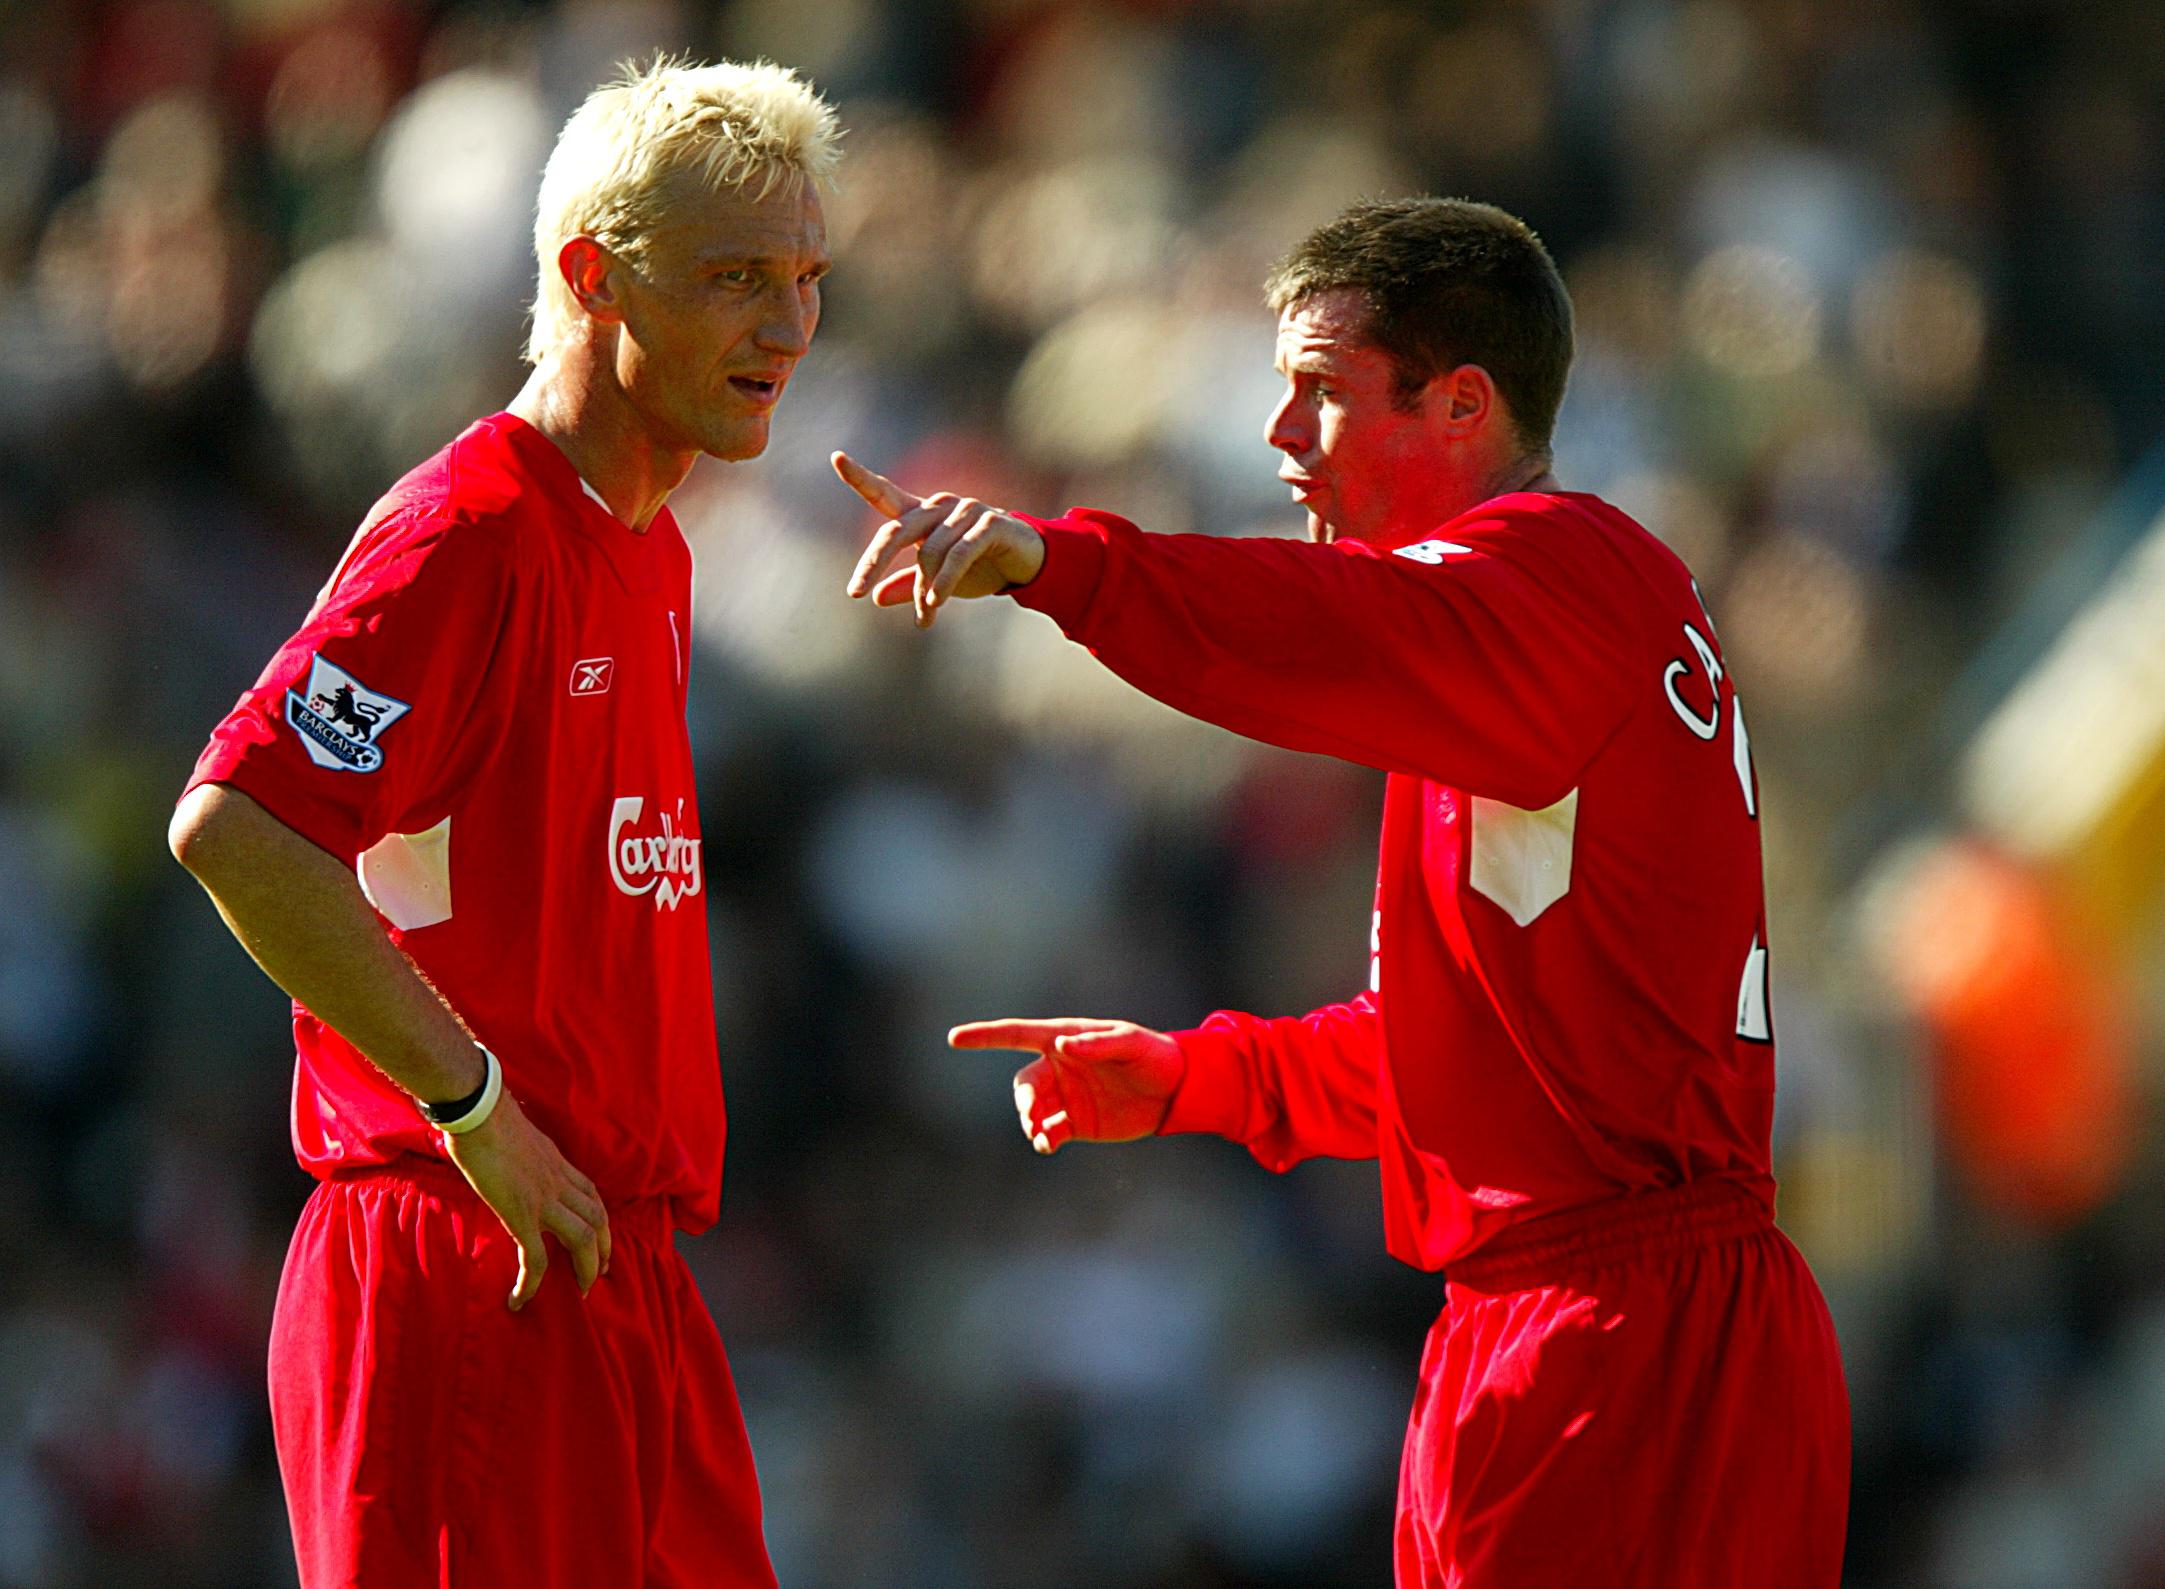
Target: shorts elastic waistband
{"points": [[638, 1216], [1556, 1247]]}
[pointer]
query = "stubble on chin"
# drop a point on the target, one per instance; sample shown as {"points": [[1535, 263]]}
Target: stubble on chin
{"points": [[739, 445]]}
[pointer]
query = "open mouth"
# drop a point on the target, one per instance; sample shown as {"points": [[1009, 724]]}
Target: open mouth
{"points": [[756, 388]]}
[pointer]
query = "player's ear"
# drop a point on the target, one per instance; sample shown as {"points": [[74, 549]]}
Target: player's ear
{"points": [[1463, 401], [589, 270]]}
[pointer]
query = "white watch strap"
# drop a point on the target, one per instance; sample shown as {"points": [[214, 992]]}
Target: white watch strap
{"points": [[491, 1089]]}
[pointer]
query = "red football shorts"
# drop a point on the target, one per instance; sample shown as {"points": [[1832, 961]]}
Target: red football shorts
{"points": [[430, 1438], [1642, 1392]]}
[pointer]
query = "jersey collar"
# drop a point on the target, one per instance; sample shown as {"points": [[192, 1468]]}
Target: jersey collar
{"points": [[635, 557]]}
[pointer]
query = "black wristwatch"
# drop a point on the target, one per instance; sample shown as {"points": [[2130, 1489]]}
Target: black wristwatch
{"points": [[464, 1114]]}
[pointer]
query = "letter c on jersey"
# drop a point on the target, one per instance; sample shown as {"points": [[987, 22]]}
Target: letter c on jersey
{"points": [[1708, 726]]}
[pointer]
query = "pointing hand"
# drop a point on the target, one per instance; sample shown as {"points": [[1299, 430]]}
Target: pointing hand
{"points": [[1093, 1081], [964, 548]]}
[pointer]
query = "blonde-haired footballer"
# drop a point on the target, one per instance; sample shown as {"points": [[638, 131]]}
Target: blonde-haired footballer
{"points": [[455, 820]]}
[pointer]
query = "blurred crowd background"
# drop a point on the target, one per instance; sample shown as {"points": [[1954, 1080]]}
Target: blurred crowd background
{"points": [[1872, 315]]}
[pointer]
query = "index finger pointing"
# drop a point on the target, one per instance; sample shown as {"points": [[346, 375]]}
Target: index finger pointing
{"points": [[1023, 1036], [881, 492]]}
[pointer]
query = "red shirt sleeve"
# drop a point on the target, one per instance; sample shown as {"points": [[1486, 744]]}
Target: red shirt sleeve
{"points": [[1489, 661], [1298, 1087], [380, 707]]}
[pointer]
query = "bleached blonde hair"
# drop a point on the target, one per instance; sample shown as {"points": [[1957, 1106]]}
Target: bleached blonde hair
{"points": [[757, 127]]}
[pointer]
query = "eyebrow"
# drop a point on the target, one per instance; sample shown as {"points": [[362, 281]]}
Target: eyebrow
{"points": [[820, 261], [1306, 361]]}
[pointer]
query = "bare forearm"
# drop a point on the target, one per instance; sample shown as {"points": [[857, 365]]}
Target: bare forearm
{"points": [[301, 914]]}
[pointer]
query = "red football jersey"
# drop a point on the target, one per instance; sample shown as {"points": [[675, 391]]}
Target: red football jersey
{"points": [[1568, 994], [484, 713]]}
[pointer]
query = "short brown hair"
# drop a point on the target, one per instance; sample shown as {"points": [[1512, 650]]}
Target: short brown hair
{"points": [[1447, 282]]}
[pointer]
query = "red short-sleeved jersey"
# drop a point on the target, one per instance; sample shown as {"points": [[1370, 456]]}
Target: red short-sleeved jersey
{"points": [[484, 713], [1569, 996]]}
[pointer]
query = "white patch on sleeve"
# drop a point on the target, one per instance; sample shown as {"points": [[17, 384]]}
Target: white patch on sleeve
{"points": [[1522, 859], [1430, 552], [407, 877]]}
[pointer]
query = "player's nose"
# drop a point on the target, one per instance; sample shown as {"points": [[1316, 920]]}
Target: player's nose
{"points": [[1286, 428], [787, 329]]}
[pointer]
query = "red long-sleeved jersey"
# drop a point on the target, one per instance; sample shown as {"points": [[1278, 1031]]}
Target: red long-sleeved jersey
{"points": [[1568, 990]]}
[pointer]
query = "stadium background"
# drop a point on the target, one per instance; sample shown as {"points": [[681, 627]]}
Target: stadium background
{"points": [[1871, 323]]}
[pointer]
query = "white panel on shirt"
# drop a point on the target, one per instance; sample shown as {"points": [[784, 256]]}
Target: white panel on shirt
{"points": [[1522, 859], [407, 877]]}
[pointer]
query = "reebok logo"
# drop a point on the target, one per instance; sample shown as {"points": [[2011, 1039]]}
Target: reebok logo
{"points": [[591, 675]]}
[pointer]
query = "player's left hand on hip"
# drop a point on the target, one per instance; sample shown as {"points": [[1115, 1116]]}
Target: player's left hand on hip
{"points": [[537, 1193], [964, 548]]}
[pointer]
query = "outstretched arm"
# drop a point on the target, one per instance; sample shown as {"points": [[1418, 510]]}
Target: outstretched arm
{"points": [[303, 917], [1497, 664], [1286, 1088], [1092, 1081], [1298, 1088]]}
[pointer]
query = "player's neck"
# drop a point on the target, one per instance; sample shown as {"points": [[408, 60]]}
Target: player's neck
{"points": [[1528, 472], [594, 427], [1452, 497]]}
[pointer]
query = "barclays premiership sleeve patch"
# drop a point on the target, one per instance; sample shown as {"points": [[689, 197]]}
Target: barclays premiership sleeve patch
{"points": [[339, 719]]}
